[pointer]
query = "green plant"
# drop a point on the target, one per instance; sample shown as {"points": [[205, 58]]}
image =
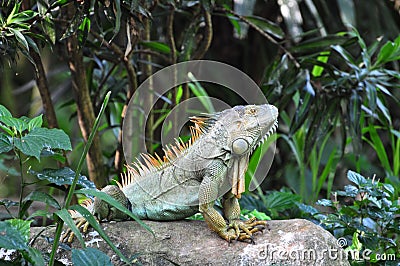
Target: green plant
{"points": [[28, 139], [368, 216], [329, 91]]}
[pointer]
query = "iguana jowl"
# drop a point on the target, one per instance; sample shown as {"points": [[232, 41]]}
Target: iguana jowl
{"points": [[192, 175]]}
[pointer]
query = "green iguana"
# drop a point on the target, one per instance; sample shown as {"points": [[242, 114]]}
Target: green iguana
{"points": [[192, 175]]}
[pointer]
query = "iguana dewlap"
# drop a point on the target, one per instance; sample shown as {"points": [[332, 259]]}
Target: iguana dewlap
{"points": [[191, 176]]}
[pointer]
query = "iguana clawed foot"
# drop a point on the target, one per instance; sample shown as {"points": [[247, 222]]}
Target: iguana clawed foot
{"points": [[243, 230], [69, 235]]}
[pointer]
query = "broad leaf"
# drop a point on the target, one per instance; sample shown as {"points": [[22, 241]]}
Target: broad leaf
{"points": [[22, 226], [11, 237], [63, 176], [5, 143], [35, 122], [35, 141], [4, 111], [34, 256], [281, 200], [90, 256], [41, 197], [16, 123], [356, 178]]}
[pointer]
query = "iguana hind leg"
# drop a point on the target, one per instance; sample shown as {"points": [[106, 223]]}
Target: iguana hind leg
{"points": [[101, 210]]}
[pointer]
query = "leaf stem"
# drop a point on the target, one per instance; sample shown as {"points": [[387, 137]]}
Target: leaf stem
{"points": [[20, 214], [60, 222]]}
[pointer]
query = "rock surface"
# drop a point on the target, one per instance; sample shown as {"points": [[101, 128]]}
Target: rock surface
{"points": [[287, 242]]}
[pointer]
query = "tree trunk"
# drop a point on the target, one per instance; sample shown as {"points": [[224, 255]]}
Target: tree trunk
{"points": [[86, 116]]}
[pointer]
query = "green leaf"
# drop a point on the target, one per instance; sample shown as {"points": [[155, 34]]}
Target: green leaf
{"points": [[281, 200], [200, 93], [16, 123], [324, 202], [42, 197], [32, 44], [4, 111], [323, 57], [92, 221], [234, 21], [20, 38], [378, 146], [5, 143], [259, 215], [356, 178], [346, 56], [266, 26], [179, 93], [36, 140], [306, 101], [63, 176], [49, 29], [11, 237], [83, 30], [13, 12], [22, 226], [157, 46], [90, 256], [319, 44], [40, 213], [110, 200], [35, 122], [66, 217], [34, 256]]}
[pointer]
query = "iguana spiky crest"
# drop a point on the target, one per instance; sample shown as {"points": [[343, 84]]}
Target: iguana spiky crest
{"points": [[154, 162]]}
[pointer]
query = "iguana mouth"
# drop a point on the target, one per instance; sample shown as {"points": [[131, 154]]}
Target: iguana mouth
{"points": [[266, 136]]}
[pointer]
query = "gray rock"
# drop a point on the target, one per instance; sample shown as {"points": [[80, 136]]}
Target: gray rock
{"points": [[287, 242]]}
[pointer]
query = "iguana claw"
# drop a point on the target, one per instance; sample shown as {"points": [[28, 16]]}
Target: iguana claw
{"points": [[243, 230], [80, 223]]}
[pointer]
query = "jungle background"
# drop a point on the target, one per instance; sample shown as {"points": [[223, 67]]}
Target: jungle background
{"points": [[331, 68]]}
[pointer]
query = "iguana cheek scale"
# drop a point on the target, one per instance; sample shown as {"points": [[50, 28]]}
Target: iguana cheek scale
{"points": [[191, 176]]}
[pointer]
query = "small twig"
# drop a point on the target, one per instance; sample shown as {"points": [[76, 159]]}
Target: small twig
{"points": [[43, 87], [208, 33], [170, 35]]}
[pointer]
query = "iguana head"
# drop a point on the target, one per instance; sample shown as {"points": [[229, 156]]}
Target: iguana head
{"points": [[244, 128], [248, 126]]}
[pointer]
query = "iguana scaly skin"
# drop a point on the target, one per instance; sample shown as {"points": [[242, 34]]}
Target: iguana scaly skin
{"points": [[192, 175]]}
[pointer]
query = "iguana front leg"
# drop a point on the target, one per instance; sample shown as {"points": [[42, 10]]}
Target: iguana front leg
{"points": [[235, 229], [243, 229]]}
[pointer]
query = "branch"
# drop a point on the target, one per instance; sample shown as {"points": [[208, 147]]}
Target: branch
{"points": [[43, 86], [206, 42]]}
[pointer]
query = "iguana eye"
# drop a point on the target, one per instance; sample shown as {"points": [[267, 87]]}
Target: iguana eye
{"points": [[252, 111], [240, 146]]}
